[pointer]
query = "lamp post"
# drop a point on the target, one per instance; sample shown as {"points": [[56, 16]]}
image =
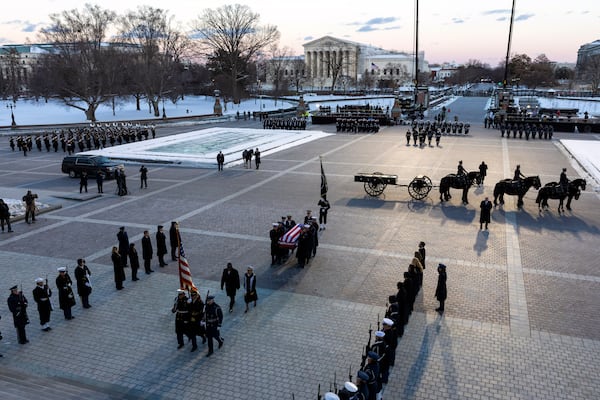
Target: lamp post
{"points": [[12, 114], [259, 95], [164, 116]]}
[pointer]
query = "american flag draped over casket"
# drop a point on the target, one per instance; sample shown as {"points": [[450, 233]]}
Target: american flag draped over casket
{"points": [[290, 239]]}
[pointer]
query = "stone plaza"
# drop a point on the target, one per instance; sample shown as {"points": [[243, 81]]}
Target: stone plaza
{"points": [[521, 318]]}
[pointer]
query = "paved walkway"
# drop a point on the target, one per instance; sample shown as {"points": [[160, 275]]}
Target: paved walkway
{"points": [[521, 319]]}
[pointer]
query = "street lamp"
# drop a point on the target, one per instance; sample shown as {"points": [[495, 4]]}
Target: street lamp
{"points": [[12, 115], [164, 113], [259, 95]]}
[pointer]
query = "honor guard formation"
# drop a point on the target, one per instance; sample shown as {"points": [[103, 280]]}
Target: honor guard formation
{"points": [[94, 137], [293, 123], [379, 354]]}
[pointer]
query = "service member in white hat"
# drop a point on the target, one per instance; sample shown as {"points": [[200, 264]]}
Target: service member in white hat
{"points": [[41, 295]]}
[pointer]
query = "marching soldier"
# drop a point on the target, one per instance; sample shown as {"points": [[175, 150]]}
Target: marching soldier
{"points": [[17, 304], [197, 327], [66, 298], [181, 310], [213, 318]]}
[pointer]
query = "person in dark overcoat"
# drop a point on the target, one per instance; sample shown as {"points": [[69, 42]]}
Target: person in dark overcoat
{"points": [[119, 272], [17, 304], [486, 213], [175, 239], [274, 235], [147, 252], [41, 295], [483, 171], [161, 246], [134, 260], [66, 298], [304, 246], [250, 287], [123, 245], [84, 286], [231, 281], [422, 252], [440, 291]]}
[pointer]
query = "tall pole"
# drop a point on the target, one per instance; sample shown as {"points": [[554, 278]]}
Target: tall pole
{"points": [[512, 18], [416, 49]]}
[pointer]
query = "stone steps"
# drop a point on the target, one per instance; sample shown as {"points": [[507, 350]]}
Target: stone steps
{"points": [[16, 385]]}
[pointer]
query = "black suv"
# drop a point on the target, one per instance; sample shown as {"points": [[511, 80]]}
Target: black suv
{"points": [[75, 165]]}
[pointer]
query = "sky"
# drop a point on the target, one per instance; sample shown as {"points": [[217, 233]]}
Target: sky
{"points": [[449, 31]]}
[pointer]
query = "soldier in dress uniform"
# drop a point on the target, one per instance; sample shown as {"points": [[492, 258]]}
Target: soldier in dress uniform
{"points": [[460, 170], [564, 181], [518, 174], [349, 392], [84, 285], [181, 310], [381, 348], [66, 298], [41, 295], [17, 304], [123, 239], [372, 370], [330, 396], [391, 339], [197, 318], [147, 252], [362, 379], [213, 316]]}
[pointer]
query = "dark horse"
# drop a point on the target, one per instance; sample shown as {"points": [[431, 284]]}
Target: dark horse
{"points": [[515, 188], [458, 182], [553, 190]]}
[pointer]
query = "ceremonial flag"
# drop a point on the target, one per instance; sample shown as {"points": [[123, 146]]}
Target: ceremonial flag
{"points": [[374, 66], [323, 180], [185, 275]]}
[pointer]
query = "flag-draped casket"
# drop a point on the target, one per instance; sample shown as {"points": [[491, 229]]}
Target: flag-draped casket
{"points": [[290, 239]]}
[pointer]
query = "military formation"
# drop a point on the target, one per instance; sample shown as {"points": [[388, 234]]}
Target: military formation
{"points": [[293, 123], [94, 137], [379, 354], [421, 131], [520, 129], [355, 125]]}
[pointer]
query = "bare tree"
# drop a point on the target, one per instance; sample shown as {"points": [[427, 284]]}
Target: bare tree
{"points": [[83, 65], [232, 36], [156, 53], [278, 66], [11, 81], [298, 73]]}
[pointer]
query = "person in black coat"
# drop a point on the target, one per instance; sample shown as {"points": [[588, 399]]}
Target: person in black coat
{"points": [[134, 260], [100, 181], [441, 293], [220, 161], [483, 170], [5, 215], [304, 246], [123, 245], [486, 212], [84, 286], [143, 177], [250, 287], [423, 253], [161, 246], [83, 181], [175, 239], [119, 272], [41, 295], [66, 298], [231, 281], [17, 304], [147, 252]]}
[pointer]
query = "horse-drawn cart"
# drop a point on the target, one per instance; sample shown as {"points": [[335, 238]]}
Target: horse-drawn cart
{"points": [[376, 183]]}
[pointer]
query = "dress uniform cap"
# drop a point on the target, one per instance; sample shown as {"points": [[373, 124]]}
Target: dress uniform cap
{"points": [[180, 291], [250, 267], [14, 287], [387, 321], [440, 265], [39, 280], [373, 355], [275, 224], [160, 227], [350, 387], [331, 396], [122, 228], [379, 334], [363, 375], [210, 297], [62, 269], [306, 225]]}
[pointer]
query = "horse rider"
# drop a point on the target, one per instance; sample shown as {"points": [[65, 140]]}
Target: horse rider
{"points": [[518, 174], [563, 181], [460, 170]]}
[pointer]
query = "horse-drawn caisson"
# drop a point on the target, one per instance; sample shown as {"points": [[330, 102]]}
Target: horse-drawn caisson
{"points": [[376, 183]]}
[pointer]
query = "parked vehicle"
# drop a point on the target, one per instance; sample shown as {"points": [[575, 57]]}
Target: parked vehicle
{"points": [[75, 165]]}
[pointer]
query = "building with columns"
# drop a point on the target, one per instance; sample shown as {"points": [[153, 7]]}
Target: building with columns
{"points": [[330, 59]]}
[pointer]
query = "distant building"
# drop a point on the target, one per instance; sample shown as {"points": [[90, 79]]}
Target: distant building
{"points": [[583, 55], [328, 58]]}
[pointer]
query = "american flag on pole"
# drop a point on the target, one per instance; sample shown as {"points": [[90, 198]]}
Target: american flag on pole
{"points": [[374, 66], [185, 275], [324, 187]]}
